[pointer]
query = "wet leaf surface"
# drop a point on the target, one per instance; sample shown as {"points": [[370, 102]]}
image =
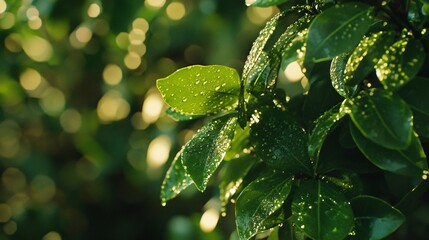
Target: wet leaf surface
{"points": [[260, 199], [375, 218], [201, 90], [338, 66], [264, 3], [205, 151], [321, 211], [382, 117]]}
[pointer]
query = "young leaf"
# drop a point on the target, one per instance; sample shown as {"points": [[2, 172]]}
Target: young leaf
{"points": [[400, 63], [338, 66], [264, 3], [205, 151], [321, 211], [410, 161], [258, 201], [382, 117], [336, 30], [176, 179], [375, 218], [366, 55], [280, 141], [201, 90], [323, 126]]}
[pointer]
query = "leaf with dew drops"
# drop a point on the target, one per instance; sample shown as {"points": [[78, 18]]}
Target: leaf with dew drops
{"points": [[338, 65], [177, 116], [260, 199], [336, 30], [375, 218], [176, 179], [201, 90], [264, 3], [410, 161], [382, 117], [205, 151], [400, 63], [321, 211]]}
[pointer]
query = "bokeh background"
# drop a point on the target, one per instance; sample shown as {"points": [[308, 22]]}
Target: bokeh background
{"points": [[84, 138]]}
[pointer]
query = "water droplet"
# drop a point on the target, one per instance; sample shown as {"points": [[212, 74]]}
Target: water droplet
{"points": [[184, 99]]}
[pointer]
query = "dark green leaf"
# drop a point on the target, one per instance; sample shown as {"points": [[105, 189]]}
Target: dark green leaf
{"points": [[336, 30], [232, 175], [205, 151], [415, 93], [323, 126], [366, 55], [400, 63], [258, 201], [280, 141], [375, 218], [338, 66], [321, 211], [201, 90], [176, 180], [410, 161], [421, 124], [264, 3], [382, 117]]}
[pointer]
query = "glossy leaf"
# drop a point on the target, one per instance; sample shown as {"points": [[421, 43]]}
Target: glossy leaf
{"points": [[205, 151], [180, 116], [323, 126], [338, 66], [258, 201], [365, 56], [400, 63], [321, 211], [336, 30], [240, 144], [382, 117], [176, 179], [375, 218], [264, 3], [201, 90], [410, 161], [280, 141], [232, 175]]}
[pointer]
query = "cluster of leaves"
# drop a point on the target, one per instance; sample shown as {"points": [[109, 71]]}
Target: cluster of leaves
{"points": [[343, 160]]}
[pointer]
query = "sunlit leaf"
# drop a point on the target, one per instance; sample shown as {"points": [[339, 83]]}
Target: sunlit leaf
{"points": [[180, 116], [382, 117], [338, 66], [176, 179], [264, 3], [240, 144], [258, 201], [321, 211], [201, 90], [375, 218], [400, 63], [336, 30], [410, 161], [205, 151]]}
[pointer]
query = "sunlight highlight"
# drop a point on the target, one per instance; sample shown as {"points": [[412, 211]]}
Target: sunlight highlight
{"points": [[209, 220], [158, 152]]}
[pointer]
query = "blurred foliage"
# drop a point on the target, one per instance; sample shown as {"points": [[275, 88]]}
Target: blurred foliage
{"points": [[80, 156]]}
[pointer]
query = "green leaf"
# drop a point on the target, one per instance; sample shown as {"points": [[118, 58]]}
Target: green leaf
{"points": [[336, 30], [338, 66], [400, 63], [410, 161], [365, 56], [239, 145], [264, 3], [375, 218], [205, 151], [258, 201], [323, 126], [232, 175], [321, 211], [201, 90], [177, 116], [176, 179], [382, 117], [280, 141]]}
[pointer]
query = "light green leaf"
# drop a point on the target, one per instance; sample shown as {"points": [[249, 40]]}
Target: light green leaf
{"points": [[239, 144], [177, 116], [410, 161], [205, 151], [176, 179], [400, 63], [321, 211], [336, 30], [338, 66], [258, 201], [264, 3], [382, 117], [374, 218], [201, 90]]}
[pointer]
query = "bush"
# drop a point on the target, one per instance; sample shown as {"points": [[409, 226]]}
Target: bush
{"points": [[344, 159]]}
